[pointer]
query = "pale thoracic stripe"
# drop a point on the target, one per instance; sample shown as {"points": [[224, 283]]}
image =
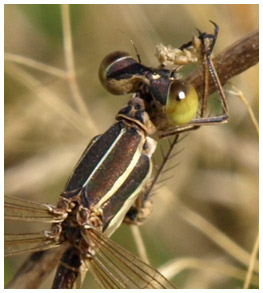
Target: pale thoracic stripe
{"points": [[105, 156], [124, 176], [117, 219]]}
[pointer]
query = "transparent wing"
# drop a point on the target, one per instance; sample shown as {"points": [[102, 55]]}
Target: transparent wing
{"points": [[20, 243], [116, 268], [23, 210]]}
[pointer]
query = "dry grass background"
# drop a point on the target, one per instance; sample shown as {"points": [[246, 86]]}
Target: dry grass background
{"points": [[205, 219]]}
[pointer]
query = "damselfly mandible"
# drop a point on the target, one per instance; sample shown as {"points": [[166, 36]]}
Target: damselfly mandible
{"points": [[112, 180]]}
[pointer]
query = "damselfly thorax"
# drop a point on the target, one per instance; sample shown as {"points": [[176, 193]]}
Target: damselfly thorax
{"points": [[112, 180]]}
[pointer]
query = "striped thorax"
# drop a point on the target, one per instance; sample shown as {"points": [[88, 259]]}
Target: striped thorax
{"points": [[114, 168]]}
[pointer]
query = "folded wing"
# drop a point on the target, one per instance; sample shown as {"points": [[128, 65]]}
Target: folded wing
{"points": [[116, 268]]}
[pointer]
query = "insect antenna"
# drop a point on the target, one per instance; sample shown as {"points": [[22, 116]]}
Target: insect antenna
{"points": [[136, 51]]}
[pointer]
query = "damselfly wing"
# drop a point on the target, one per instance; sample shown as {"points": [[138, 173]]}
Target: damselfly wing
{"points": [[22, 210], [111, 265]]}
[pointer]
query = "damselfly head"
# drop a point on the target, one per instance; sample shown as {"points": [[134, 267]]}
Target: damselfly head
{"points": [[175, 101]]}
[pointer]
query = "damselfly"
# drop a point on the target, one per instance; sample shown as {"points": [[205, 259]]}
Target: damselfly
{"points": [[112, 180]]}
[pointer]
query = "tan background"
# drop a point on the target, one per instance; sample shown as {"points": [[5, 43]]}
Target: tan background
{"points": [[45, 132]]}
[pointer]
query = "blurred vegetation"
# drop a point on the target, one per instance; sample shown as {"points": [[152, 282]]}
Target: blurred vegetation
{"points": [[46, 130]]}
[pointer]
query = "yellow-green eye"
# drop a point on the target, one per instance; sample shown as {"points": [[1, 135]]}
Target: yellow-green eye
{"points": [[182, 103]]}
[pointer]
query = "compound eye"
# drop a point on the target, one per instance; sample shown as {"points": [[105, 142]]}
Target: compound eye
{"points": [[116, 73], [182, 103]]}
